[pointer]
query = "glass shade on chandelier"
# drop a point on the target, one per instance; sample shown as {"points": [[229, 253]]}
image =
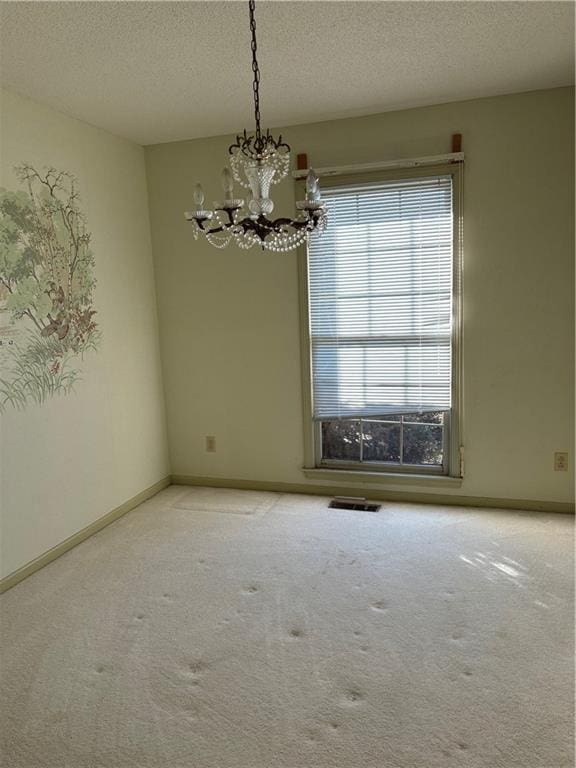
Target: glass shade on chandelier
{"points": [[257, 162]]}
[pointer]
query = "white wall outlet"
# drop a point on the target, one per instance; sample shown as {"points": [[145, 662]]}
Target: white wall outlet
{"points": [[560, 462], [210, 444]]}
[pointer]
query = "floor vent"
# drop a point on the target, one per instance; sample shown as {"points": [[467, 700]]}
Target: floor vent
{"points": [[353, 502]]}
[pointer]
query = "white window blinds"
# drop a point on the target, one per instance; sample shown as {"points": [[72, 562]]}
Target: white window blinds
{"points": [[380, 292]]}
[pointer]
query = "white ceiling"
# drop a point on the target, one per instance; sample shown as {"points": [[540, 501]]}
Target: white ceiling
{"points": [[165, 71]]}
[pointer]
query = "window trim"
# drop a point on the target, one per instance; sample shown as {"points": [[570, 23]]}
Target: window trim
{"points": [[453, 467]]}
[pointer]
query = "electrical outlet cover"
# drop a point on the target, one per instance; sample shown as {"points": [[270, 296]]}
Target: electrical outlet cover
{"points": [[560, 462]]}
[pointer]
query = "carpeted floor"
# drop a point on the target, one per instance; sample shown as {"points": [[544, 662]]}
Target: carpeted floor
{"points": [[225, 629]]}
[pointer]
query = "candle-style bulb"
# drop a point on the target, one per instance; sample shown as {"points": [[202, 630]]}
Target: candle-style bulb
{"points": [[312, 190], [227, 183], [198, 196]]}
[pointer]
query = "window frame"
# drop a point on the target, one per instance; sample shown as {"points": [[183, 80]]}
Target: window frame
{"points": [[453, 429]]}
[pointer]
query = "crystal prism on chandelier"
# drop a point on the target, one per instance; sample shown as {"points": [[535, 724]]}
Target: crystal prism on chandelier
{"points": [[256, 163]]}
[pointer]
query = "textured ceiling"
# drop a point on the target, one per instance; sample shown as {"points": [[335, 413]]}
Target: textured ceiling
{"points": [[164, 71]]}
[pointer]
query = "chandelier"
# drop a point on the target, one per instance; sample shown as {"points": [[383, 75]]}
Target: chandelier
{"points": [[256, 162]]}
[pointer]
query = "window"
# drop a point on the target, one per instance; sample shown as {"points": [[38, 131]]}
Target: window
{"points": [[382, 319]]}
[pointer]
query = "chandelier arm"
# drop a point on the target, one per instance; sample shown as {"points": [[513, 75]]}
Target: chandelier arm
{"points": [[230, 213], [213, 230], [262, 227], [296, 224]]}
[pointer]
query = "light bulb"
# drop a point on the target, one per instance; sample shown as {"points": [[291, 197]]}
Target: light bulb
{"points": [[227, 183], [312, 191], [198, 196]]}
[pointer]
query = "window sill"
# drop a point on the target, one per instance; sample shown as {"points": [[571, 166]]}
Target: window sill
{"points": [[382, 478]]}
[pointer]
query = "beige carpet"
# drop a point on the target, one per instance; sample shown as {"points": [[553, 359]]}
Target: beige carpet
{"points": [[194, 634]]}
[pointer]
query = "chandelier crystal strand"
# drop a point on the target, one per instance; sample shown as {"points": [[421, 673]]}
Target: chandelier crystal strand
{"points": [[256, 163]]}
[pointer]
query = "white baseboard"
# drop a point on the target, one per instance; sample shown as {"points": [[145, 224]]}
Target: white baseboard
{"points": [[529, 505], [39, 562], [444, 499]]}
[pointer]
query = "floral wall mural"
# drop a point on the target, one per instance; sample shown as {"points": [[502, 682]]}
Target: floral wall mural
{"points": [[47, 317]]}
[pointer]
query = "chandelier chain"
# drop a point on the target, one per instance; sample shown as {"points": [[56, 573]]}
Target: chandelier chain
{"points": [[255, 69]]}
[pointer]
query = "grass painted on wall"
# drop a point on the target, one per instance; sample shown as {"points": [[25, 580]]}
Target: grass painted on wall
{"points": [[46, 288]]}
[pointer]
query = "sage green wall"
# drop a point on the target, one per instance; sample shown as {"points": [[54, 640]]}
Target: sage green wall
{"points": [[74, 458], [229, 318]]}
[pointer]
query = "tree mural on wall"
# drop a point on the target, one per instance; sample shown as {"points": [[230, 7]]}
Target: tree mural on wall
{"points": [[46, 287]]}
